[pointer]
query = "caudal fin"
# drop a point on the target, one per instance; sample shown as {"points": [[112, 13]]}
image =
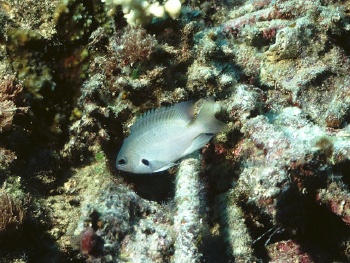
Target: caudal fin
{"points": [[206, 118]]}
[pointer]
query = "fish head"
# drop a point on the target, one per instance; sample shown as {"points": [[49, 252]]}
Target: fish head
{"points": [[133, 164], [139, 162]]}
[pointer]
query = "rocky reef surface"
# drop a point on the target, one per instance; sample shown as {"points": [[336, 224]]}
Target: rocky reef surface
{"points": [[274, 187]]}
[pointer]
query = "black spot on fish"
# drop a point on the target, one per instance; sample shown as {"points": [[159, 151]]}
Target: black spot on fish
{"points": [[145, 162]]}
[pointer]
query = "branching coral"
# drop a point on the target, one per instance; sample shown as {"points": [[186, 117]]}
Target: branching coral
{"points": [[189, 214], [140, 12]]}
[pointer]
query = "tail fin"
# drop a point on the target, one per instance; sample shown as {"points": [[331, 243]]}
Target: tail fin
{"points": [[206, 118]]}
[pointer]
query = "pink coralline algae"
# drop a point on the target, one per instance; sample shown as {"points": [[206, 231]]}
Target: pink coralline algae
{"points": [[91, 243]]}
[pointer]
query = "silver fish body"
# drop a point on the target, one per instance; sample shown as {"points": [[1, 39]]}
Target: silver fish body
{"points": [[161, 137]]}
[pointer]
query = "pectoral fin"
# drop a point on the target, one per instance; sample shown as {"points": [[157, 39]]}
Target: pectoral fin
{"points": [[198, 143]]}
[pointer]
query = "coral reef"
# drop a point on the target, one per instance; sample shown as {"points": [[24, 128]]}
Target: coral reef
{"points": [[190, 213], [108, 210], [274, 187], [239, 241]]}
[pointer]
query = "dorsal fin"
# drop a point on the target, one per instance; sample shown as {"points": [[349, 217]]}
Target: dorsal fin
{"points": [[182, 110]]}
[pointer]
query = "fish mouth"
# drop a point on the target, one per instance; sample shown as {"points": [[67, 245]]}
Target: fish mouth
{"points": [[120, 168]]}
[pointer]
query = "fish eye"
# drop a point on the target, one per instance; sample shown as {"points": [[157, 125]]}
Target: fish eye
{"points": [[122, 161], [145, 162]]}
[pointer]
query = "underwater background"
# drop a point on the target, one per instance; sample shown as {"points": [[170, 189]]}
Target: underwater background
{"points": [[273, 187]]}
